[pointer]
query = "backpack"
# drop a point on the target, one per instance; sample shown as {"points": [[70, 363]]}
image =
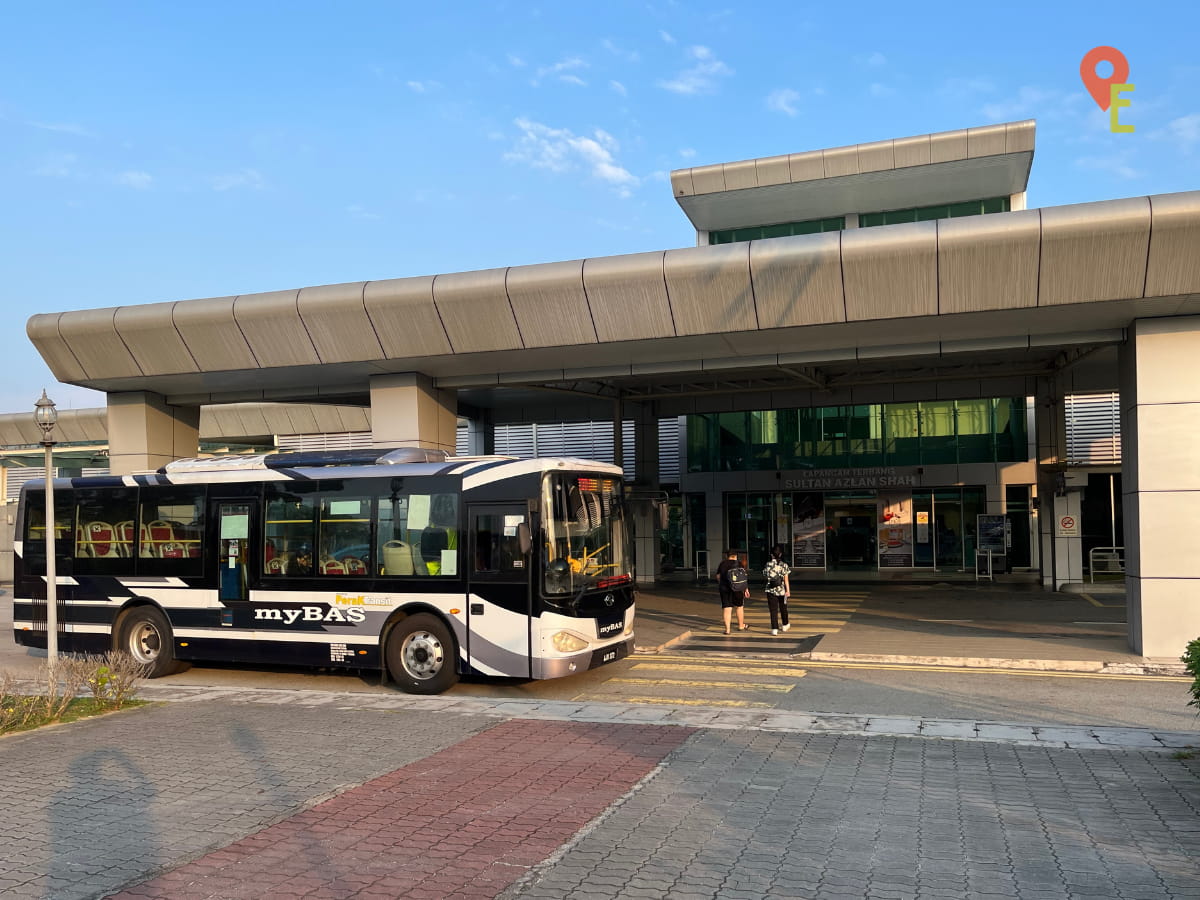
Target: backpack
{"points": [[774, 576], [739, 579]]}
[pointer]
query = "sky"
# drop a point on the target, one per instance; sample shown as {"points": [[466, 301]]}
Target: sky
{"points": [[169, 151]]}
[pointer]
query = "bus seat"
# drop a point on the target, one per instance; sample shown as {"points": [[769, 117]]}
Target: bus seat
{"points": [[354, 566], [100, 540], [124, 538], [275, 565], [332, 567], [397, 558]]}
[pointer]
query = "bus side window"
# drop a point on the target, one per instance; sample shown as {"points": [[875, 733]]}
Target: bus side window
{"points": [[290, 530], [170, 530], [103, 544], [34, 555]]}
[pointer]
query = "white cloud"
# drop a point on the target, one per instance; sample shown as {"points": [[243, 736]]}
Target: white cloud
{"points": [[627, 55], [572, 79], [57, 165], [700, 78], [63, 128], [1184, 132], [618, 87], [687, 152], [134, 179], [515, 61], [246, 178], [560, 150], [1117, 164], [783, 100], [565, 65], [1031, 101], [666, 36], [878, 89]]}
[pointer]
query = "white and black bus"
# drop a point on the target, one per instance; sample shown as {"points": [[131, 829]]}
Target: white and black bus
{"points": [[422, 565]]}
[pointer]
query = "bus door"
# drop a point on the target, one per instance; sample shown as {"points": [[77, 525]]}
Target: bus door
{"points": [[234, 518], [498, 589]]}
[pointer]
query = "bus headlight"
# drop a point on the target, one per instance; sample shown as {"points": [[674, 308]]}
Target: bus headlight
{"points": [[565, 642]]}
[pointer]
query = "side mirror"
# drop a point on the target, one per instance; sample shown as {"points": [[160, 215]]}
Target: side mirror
{"points": [[524, 538]]}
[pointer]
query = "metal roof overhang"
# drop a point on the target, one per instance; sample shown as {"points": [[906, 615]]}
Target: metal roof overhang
{"points": [[915, 186], [1008, 293]]}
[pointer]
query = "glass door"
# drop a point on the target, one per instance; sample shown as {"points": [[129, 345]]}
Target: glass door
{"points": [[850, 529]]}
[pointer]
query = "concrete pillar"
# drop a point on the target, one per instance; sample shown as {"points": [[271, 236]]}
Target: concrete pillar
{"points": [[481, 434], [408, 411], [144, 432], [645, 448], [1160, 482], [1061, 555]]}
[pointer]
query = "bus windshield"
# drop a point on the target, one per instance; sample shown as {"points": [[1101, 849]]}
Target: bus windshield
{"points": [[585, 537]]}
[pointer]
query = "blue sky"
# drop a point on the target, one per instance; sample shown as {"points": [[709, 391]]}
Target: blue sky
{"points": [[165, 151]]}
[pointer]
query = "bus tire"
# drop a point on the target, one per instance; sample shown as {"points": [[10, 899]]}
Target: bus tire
{"points": [[145, 634], [420, 653]]}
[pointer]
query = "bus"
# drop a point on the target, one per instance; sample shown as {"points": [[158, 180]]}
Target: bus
{"points": [[418, 564]]}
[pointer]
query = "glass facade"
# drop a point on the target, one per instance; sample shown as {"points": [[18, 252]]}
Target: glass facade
{"points": [[784, 229], [891, 434], [930, 213]]}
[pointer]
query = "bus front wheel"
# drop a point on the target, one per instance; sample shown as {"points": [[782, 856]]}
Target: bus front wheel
{"points": [[420, 655], [146, 636]]}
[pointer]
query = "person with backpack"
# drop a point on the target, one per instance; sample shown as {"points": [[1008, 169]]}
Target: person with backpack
{"points": [[733, 581], [779, 588]]}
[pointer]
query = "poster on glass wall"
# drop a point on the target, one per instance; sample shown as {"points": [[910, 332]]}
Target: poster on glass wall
{"points": [[808, 531], [895, 530]]}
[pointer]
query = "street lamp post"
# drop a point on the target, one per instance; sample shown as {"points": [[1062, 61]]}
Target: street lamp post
{"points": [[46, 416]]}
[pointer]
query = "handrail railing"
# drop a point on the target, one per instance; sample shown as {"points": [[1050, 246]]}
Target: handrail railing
{"points": [[1105, 560]]}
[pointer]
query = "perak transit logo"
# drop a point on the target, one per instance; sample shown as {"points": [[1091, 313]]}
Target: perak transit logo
{"points": [[1107, 91]]}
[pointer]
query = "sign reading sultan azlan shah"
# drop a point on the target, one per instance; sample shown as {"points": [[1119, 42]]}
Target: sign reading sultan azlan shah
{"points": [[848, 479]]}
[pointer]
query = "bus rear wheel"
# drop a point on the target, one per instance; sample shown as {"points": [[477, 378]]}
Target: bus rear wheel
{"points": [[146, 636], [421, 656]]}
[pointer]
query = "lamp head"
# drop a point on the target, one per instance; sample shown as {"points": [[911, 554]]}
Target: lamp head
{"points": [[45, 414]]}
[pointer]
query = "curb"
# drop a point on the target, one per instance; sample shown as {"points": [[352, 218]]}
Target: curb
{"points": [[1082, 666]]}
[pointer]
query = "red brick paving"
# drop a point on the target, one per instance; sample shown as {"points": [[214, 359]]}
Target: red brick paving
{"points": [[465, 822]]}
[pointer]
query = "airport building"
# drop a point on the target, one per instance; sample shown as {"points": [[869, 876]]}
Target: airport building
{"points": [[877, 355]]}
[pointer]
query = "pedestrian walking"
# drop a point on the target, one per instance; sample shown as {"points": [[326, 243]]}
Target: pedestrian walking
{"points": [[779, 588], [734, 584]]}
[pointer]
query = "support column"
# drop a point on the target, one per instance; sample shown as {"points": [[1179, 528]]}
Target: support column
{"points": [[646, 521], [408, 411], [1062, 555], [481, 434], [144, 432], [1160, 482]]}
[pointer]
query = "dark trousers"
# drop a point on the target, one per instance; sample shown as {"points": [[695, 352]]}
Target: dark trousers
{"points": [[777, 604]]}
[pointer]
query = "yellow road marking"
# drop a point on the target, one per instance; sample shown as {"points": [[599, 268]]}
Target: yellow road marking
{"points": [[1092, 600], [693, 664], [689, 667], [742, 704], [712, 662], [679, 683]]}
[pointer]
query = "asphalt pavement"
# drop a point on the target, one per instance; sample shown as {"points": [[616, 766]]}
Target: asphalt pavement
{"points": [[225, 792]]}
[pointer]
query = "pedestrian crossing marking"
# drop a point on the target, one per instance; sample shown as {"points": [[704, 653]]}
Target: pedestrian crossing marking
{"points": [[686, 667], [734, 685]]}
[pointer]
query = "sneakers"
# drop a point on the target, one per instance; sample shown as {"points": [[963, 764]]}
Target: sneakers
{"points": [[774, 631], [786, 627]]}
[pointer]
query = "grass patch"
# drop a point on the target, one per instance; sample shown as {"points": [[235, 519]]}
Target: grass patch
{"points": [[38, 716], [60, 694]]}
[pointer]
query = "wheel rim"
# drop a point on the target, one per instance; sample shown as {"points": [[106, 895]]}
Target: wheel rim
{"points": [[144, 642], [422, 654]]}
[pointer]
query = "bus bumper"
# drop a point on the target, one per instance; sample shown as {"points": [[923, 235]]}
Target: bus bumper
{"points": [[581, 662]]}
